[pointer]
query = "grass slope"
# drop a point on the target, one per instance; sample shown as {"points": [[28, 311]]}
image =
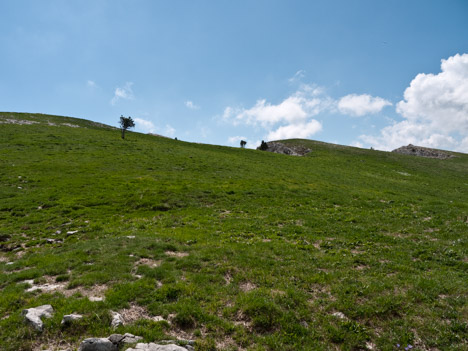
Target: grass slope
{"points": [[239, 249]]}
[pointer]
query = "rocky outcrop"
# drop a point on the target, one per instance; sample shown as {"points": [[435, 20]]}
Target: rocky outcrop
{"points": [[97, 344], [279, 148], [33, 315], [112, 343], [115, 341], [420, 151], [157, 347]]}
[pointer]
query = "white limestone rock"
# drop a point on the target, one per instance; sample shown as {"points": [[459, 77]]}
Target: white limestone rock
{"points": [[34, 315], [97, 344], [69, 318]]}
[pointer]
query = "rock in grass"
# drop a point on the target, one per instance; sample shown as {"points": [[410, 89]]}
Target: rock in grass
{"points": [[117, 319], [33, 315], [155, 347], [68, 318], [97, 344], [127, 338]]}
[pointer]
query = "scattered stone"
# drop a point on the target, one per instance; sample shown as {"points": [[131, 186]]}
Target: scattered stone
{"points": [[69, 318], [176, 254], [45, 287], [420, 151], [279, 148], [54, 241], [10, 263], [97, 344], [156, 347], [117, 319], [339, 315], [158, 319], [131, 236], [127, 338], [70, 125], [148, 262], [58, 232], [95, 298], [71, 232], [33, 315]]}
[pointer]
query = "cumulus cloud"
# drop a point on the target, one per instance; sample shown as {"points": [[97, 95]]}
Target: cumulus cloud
{"points": [[124, 92], [145, 125], [149, 127], [292, 117], [300, 130], [300, 106], [360, 105], [191, 105], [435, 111]]}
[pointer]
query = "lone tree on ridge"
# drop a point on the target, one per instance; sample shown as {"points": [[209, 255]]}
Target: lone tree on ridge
{"points": [[243, 143], [126, 123]]}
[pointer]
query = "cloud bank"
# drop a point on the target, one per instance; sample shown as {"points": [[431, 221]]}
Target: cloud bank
{"points": [[292, 117], [435, 111]]}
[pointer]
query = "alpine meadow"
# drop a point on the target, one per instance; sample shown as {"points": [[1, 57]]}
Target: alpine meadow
{"points": [[217, 248]]}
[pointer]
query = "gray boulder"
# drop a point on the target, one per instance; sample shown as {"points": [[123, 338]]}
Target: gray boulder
{"points": [[33, 315], [155, 347], [97, 344], [127, 338], [68, 318]]}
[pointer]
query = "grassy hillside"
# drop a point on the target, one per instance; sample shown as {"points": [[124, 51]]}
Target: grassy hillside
{"points": [[344, 248]]}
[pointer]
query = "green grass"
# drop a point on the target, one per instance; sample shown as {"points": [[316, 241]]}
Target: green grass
{"points": [[251, 250]]}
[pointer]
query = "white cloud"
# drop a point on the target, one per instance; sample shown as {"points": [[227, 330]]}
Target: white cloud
{"points": [[297, 108], [145, 125], [440, 100], [124, 92], [191, 105], [360, 105], [169, 131], [300, 130], [91, 83], [236, 139], [149, 127], [435, 111], [297, 76], [290, 118]]}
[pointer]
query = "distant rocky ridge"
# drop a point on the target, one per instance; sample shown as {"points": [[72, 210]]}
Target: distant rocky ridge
{"points": [[279, 148], [420, 151]]}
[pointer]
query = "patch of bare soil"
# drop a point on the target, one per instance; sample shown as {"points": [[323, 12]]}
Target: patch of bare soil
{"points": [[247, 286], [134, 313], [148, 262], [53, 345], [93, 293], [176, 254], [228, 344]]}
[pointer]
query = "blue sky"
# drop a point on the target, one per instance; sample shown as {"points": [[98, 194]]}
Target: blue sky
{"points": [[367, 73]]}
